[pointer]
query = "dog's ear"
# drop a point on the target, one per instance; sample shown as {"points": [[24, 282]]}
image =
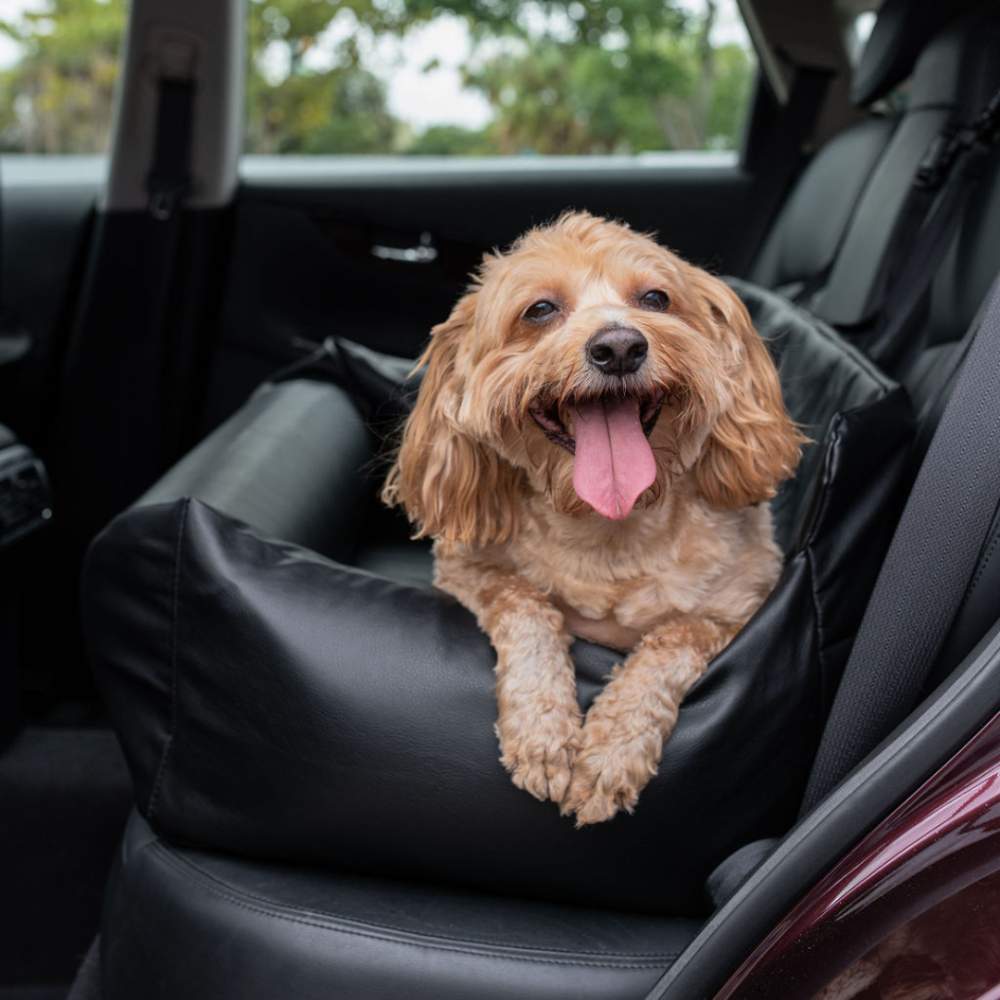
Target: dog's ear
{"points": [[451, 485], [753, 445]]}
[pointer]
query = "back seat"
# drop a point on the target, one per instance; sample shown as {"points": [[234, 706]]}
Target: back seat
{"points": [[832, 239], [953, 79], [872, 161]]}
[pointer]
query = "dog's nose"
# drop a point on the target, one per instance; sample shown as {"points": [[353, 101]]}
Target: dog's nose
{"points": [[619, 350]]}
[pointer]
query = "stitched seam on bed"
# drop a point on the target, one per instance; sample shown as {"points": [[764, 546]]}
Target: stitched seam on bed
{"points": [[345, 925], [174, 600]]}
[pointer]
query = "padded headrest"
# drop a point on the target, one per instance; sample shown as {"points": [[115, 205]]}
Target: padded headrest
{"points": [[903, 29], [961, 67]]}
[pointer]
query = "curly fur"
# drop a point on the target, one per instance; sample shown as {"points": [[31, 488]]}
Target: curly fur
{"points": [[672, 582]]}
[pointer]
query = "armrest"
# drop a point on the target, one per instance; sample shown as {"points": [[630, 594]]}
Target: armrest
{"points": [[289, 463]]}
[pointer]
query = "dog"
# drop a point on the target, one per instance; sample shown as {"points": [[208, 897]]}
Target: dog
{"points": [[592, 448]]}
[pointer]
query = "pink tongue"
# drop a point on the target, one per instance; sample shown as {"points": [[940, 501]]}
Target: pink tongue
{"points": [[614, 463]]}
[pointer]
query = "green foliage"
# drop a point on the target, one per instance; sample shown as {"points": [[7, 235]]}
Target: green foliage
{"points": [[58, 97], [450, 140], [561, 76]]}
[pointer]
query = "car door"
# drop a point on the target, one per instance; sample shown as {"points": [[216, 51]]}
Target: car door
{"points": [[377, 248]]}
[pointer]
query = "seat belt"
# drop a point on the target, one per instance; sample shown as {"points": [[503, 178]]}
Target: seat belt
{"points": [[168, 184], [927, 570], [169, 179], [944, 181]]}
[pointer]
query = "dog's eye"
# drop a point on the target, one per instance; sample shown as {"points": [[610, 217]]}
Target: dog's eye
{"points": [[655, 299], [540, 310]]}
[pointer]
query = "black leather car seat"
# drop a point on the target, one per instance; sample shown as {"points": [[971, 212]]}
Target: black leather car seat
{"points": [[827, 245], [203, 926], [198, 917], [324, 654], [184, 922]]}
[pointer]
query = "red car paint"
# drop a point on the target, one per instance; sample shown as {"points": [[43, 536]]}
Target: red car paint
{"points": [[912, 912]]}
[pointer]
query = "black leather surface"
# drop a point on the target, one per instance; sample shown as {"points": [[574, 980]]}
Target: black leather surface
{"points": [[269, 464], [281, 932], [824, 381], [951, 82], [803, 242], [277, 705], [902, 30]]}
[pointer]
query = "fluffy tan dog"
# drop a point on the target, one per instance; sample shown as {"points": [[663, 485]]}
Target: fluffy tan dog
{"points": [[595, 438]]}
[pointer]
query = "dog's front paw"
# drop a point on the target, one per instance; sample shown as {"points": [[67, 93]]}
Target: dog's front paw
{"points": [[609, 773], [539, 754]]}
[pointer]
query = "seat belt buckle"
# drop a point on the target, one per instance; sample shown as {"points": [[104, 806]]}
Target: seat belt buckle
{"points": [[937, 160], [164, 198]]}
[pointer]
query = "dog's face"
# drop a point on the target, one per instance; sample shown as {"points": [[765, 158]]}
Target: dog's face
{"points": [[593, 366]]}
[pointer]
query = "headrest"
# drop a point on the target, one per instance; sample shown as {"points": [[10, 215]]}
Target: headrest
{"points": [[961, 66], [903, 29]]}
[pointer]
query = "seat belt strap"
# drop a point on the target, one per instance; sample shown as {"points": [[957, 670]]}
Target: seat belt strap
{"points": [[943, 184], [927, 570], [169, 178], [168, 185]]}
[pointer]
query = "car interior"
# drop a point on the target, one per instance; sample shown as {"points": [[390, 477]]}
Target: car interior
{"points": [[246, 749]]}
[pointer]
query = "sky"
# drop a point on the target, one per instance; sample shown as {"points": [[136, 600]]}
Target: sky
{"points": [[417, 97]]}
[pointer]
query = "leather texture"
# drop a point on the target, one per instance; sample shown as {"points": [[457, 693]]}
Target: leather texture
{"points": [[278, 705], [900, 34], [279, 931], [953, 79], [832, 235], [268, 465], [803, 243]]}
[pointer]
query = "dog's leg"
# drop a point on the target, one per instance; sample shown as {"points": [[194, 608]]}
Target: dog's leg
{"points": [[538, 717], [632, 717]]}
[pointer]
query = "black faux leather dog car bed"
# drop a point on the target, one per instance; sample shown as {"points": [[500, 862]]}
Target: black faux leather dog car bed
{"points": [[277, 704]]}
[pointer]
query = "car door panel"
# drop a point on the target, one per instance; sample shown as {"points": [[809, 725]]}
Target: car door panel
{"points": [[379, 254]]}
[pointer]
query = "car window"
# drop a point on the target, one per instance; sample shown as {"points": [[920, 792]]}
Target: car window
{"points": [[496, 77], [58, 67], [459, 77]]}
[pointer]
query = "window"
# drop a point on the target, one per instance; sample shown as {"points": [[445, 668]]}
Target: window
{"points": [[467, 77], [496, 77], [58, 65]]}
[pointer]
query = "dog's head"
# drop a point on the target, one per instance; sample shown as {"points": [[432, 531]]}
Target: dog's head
{"points": [[591, 365]]}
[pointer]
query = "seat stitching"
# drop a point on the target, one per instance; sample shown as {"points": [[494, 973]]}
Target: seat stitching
{"points": [[174, 600], [447, 944], [208, 876], [983, 563]]}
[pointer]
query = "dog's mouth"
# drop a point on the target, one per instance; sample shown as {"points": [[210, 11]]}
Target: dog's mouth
{"points": [[547, 414], [613, 463]]}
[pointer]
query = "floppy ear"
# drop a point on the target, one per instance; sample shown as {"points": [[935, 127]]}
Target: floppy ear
{"points": [[451, 485], [754, 444]]}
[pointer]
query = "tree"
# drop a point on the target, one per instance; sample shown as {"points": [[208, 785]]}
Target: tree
{"points": [[561, 76], [57, 98], [648, 81], [450, 140], [295, 106]]}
